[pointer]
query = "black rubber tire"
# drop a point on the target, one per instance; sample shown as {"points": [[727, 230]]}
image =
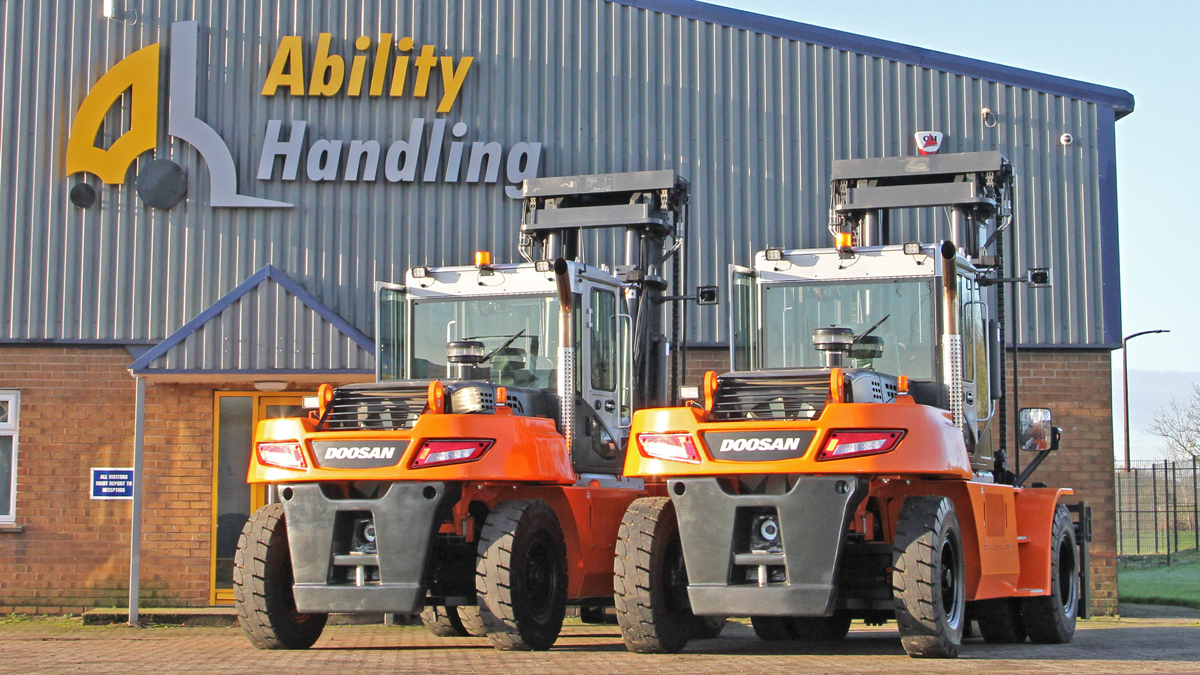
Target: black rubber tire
{"points": [[521, 576], [1050, 619], [929, 580], [821, 628], [706, 627], [262, 586], [471, 621], [443, 621], [999, 620], [773, 628], [650, 580]]}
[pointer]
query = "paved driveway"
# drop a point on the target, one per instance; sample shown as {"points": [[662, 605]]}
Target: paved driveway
{"points": [[1101, 646]]}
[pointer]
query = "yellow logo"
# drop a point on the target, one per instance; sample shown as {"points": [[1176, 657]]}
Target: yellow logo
{"points": [[137, 73]]}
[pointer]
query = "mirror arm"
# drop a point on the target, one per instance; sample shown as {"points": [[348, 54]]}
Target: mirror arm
{"points": [[1055, 435]]}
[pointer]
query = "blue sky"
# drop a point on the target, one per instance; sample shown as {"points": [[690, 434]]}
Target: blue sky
{"points": [[1147, 49]]}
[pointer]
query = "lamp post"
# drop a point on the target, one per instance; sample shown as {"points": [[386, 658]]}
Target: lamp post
{"points": [[1125, 384]]}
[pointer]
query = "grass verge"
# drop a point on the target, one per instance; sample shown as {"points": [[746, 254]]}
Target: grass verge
{"points": [[1177, 585]]}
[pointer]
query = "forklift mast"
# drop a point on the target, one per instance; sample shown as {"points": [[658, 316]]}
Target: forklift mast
{"points": [[651, 208]]}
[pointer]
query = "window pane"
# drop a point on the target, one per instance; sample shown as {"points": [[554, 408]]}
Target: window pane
{"points": [[391, 335], [903, 309], [6, 472], [4, 411], [522, 331], [604, 341]]}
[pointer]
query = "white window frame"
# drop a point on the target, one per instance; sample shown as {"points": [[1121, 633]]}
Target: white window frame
{"points": [[11, 428]]}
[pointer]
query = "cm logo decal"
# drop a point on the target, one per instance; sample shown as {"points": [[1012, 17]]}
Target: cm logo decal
{"points": [[162, 183]]}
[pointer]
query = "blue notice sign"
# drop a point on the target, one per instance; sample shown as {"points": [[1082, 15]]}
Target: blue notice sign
{"points": [[110, 483]]}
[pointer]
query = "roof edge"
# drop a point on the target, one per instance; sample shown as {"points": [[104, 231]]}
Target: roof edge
{"points": [[1119, 99]]}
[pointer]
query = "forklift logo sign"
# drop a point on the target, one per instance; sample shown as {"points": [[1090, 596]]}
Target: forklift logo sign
{"points": [[369, 455], [928, 142], [758, 446], [138, 73]]}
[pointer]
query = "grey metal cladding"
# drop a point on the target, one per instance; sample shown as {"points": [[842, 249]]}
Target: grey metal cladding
{"points": [[752, 120]]}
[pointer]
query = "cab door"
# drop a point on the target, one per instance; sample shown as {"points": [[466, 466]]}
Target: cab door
{"points": [[598, 446]]}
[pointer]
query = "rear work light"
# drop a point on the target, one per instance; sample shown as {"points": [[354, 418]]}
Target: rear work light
{"points": [[843, 444], [450, 451], [676, 447], [288, 455]]}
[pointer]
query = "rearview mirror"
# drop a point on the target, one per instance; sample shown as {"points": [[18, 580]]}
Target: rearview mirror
{"points": [[706, 295], [1035, 430]]}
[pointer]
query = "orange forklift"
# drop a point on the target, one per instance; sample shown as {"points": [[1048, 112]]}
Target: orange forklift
{"points": [[464, 484], [846, 468]]}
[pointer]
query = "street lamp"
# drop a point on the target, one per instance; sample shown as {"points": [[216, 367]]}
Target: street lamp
{"points": [[1125, 383]]}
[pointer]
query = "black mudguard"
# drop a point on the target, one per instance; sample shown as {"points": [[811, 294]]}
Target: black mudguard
{"points": [[813, 517], [404, 521]]}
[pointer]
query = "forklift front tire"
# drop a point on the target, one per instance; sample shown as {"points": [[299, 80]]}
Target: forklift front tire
{"points": [[1050, 619], [443, 621], [262, 586]]}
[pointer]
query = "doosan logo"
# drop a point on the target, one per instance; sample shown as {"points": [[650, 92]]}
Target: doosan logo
{"points": [[759, 444], [360, 453]]}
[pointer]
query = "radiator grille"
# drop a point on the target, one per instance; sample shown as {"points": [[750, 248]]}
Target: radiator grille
{"points": [[388, 409], [795, 397]]}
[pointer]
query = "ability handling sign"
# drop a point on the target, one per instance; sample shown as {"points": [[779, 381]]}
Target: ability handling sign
{"points": [[110, 483]]}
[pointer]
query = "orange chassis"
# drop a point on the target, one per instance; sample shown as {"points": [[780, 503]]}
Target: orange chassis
{"points": [[1006, 530], [528, 459]]}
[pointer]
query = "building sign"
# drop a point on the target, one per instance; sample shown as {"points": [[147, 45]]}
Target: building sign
{"points": [[110, 483], [432, 151]]}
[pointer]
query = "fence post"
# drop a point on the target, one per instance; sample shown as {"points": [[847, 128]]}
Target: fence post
{"points": [[1137, 510], [1195, 506], [1154, 497], [1117, 509], [1175, 502], [1167, 511]]}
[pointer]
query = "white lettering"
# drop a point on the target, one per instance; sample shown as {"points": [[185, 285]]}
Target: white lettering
{"points": [[529, 154], [323, 160], [358, 150], [290, 150], [759, 444], [401, 162]]}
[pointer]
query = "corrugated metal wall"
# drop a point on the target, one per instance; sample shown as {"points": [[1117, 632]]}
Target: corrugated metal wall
{"points": [[752, 121]]}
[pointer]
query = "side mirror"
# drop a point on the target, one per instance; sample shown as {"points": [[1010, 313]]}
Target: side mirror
{"points": [[1038, 277], [1036, 431], [706, 295]]}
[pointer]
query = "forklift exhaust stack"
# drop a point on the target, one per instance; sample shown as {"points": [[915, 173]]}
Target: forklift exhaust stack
{"points": [[566, 353]]}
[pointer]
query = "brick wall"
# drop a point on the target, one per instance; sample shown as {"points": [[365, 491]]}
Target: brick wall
{"points": [[1077, 387], [77, 412]]}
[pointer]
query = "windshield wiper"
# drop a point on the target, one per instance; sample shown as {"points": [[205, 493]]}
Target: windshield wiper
{"points": [[872, 328], [507, 342]]}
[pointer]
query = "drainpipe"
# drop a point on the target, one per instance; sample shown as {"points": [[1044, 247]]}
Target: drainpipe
{"points": [[135, 547]]}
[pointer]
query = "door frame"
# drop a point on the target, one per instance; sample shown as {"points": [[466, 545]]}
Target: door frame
{"points": [[258, 493]]}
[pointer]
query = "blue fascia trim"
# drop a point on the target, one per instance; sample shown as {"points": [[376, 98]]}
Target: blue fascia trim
{"points": [[319, 307], [267, 272], [1110, 233], [202, 318], [260, 371], [1119, 99]]}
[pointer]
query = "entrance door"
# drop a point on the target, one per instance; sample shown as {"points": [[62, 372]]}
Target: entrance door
{"points": [[237, 413]]}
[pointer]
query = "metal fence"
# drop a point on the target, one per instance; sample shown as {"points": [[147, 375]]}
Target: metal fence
{"points": [[1157, 511]]}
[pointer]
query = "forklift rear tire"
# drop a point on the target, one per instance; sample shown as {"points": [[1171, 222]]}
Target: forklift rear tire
{"points": [[262, 586], [1050, 619], [1000, 620], [521, 576], [471, 621], [929, 581], [773, 628], [443, 621], [821, 628], [650, 580]]}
